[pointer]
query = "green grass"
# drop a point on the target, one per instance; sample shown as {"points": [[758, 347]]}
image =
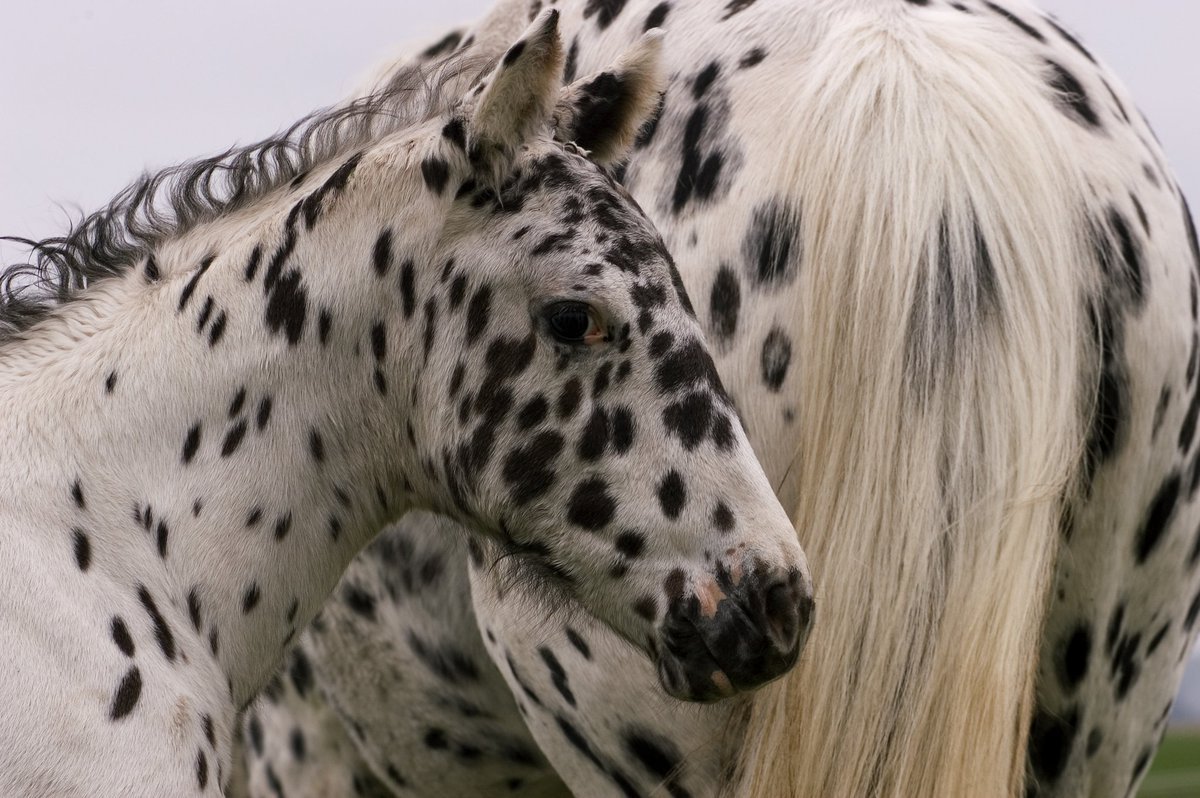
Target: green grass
{"points": [[1176, 769]]}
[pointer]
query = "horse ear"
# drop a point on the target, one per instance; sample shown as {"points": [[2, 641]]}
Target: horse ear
{"points": [[518, 96], [603, 112]]}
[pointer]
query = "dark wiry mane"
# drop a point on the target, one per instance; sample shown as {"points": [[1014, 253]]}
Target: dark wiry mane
{"points": [[169, 203]]}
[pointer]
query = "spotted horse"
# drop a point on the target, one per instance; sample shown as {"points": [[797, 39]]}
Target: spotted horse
{"points": [[240, 375], [951, 286]]}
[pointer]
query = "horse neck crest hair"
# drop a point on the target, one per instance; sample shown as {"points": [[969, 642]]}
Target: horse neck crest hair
{"points": [[170, 203]]}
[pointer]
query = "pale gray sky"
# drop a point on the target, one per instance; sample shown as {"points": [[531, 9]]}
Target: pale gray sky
{"points": [[93, 93]]}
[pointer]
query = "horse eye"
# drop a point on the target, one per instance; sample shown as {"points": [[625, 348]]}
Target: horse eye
{"points": [[570, 322]]}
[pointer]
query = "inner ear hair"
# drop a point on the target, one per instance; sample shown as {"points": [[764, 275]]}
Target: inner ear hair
{"points": [[603, 112]]}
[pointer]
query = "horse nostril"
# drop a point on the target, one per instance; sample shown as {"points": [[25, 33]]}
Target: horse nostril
{"points": [[782, 618], [789, 612]]}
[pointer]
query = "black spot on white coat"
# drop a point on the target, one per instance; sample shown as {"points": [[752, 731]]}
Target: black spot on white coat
{"points": [[126, 696]]}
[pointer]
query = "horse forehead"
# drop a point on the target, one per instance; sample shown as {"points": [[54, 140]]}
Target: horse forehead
{"points": [[565, 214], [564, 173]]}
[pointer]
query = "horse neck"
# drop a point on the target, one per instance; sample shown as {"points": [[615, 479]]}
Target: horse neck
{"points": [[227, 440]]}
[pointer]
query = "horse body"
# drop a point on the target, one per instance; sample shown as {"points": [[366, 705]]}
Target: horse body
{"points": [[957, 192], [200, 439], [421, 707]]}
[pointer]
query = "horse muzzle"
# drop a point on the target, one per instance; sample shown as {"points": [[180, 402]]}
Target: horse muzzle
{"points": [[733, 631]]}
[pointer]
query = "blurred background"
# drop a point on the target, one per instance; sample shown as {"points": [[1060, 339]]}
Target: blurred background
{"points": [[91, 94]]}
